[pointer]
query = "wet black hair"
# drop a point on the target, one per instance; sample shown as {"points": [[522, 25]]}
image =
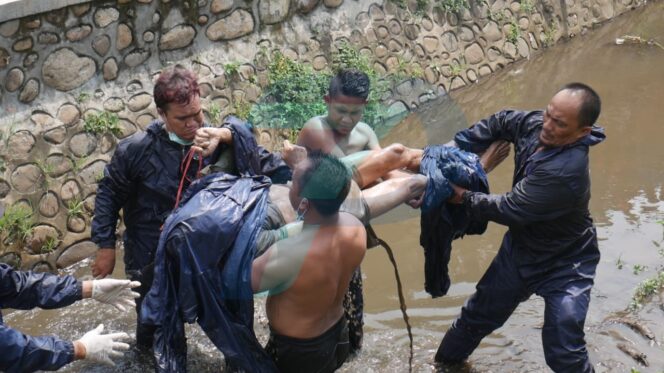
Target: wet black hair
{"points": [[325, 182], [349, 82], [590, 106]]}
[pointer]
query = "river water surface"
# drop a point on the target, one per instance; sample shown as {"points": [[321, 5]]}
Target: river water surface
{"points": [[627, 202]]}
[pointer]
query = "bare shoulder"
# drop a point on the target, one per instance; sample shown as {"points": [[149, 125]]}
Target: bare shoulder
{"points": [[354, 235], [362, 126], [312, 134], [315, 123], [367, 135]]}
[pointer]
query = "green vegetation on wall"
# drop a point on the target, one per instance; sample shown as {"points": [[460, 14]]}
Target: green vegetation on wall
{"points": [[16, 225], [104, 122], [447, 6], [295, 91]]}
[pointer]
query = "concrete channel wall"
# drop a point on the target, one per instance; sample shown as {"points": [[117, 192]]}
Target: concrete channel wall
{"points": [[63, 59]]}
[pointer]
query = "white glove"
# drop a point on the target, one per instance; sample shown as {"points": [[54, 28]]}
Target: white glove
{"points": [[117, 293], [101, 347]]}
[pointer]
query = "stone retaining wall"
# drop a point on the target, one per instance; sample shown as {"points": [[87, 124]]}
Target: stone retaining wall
{"points": [[59, 66]]}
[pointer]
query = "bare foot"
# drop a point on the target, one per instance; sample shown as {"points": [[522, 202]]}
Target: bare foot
{"points": [[494, 155], [293, 154]]}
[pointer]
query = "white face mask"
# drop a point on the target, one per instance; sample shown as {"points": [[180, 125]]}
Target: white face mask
{"points": [[177, 139], [300, 211]]}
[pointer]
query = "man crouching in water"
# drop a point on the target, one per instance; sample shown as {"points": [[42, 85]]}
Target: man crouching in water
{"points": [[307, 276]]}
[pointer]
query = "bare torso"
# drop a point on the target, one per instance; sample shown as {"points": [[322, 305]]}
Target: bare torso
{"points": [[317, 134], [325, 257]]}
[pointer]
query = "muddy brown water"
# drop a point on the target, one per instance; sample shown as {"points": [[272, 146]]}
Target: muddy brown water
{"points": [[627, 202]]}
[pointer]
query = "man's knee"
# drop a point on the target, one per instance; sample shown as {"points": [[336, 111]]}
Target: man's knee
{"points": [[394, 154]]}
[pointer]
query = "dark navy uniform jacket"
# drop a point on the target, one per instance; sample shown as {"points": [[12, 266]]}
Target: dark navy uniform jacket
{"points": [[24, 291], [547, 209], [142, 179]]}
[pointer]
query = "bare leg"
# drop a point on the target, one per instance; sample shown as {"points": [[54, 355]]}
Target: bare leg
{"points": [[379, 163], [391, 193], [369, 165]]}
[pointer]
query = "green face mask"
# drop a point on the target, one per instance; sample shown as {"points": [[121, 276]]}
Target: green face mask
{"points": [[177, 139]]}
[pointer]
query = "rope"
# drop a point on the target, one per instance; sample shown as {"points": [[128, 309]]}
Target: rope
{"points": [[402, 300], [184, 168]]}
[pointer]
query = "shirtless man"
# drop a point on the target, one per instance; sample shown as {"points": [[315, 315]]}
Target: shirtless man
{"points": [[307, 275], [341, 132]]}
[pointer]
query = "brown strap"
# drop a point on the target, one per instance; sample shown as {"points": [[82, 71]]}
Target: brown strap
{"points": [[402, 300]]}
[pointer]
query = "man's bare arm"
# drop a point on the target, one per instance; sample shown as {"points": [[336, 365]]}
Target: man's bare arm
{"points": [[278, 268]]}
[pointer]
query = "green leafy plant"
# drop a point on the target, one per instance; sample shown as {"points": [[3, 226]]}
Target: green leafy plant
{"points": [[75, 208], [645, 290], [400, 3], [103, 122], [513, 32], [497, 16], [77, 164], [99, 176], [242, 108], [456, 67], [83, 97], [16, 224], [451, 6], [214, 112], [293, 96], [50, 245], [527, 6], [232, 69], [550, 35], [638, 268], [421, 7], [295, 91], [46, 171], [8, 131]]}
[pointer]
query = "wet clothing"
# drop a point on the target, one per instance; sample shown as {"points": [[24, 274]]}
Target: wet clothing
{"points": [[325, 353], [142, 179], [441, 222], [203, 265], [550, 248], [499, 292], [354, 311], [24, 291]]}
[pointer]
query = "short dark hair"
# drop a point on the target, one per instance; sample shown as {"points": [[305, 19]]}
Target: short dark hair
{"points": [[590, 106], [350, 82], [325, 182], [175, 85]]}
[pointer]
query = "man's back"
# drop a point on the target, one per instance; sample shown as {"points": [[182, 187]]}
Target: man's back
{"points": [[312, 302]]}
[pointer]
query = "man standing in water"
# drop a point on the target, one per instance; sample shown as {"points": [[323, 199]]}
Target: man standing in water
{"points": [[551, 246], [143, 179], [341, 133], [308, 275]]}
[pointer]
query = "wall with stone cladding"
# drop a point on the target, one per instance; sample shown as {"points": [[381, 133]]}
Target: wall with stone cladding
{"points": [[109, 52]]}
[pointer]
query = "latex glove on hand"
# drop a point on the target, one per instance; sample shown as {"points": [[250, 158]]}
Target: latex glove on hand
{"points": [[117, 293], [101, 347]]}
